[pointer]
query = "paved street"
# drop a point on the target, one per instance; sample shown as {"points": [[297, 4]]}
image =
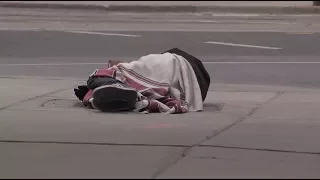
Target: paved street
{"points": [[261, 7], [258, 58], [260, 118]]}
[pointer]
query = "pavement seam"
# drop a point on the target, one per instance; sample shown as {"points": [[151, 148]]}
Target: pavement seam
{"points": [[242, 118], [154, 145], [260, 149], [33, 98], [172, 163], [87, 143], [186, 151]]}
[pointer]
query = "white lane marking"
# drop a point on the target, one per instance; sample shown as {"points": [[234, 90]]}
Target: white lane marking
{"points": [[104, 34], [241, 45], [20, 29], [219, 21], [236, 15], [300, 33], [188, 20], [69, 31], [101, 63], [225, 21], [150, 30]]}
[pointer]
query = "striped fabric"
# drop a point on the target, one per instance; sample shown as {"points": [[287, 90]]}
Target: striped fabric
{"points": [[160, 80]]}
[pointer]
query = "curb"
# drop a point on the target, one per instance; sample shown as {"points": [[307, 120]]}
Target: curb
{"points": [[194, 9]]}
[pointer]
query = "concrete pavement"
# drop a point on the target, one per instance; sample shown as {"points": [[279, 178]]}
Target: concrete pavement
{"points": [[244, 133], [249, 128]]}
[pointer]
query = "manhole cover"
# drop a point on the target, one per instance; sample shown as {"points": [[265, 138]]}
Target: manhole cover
{"points": [[62, 103]]}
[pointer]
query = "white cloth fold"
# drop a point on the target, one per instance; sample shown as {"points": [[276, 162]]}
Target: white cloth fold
{"points": [[169, 71]]}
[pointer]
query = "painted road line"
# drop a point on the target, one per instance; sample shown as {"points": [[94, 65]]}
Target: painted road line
{"points": [[214, 21], [20, 29], [103, 34], [241, 45], [148, 30], [103, 63], [68, 31], [300, 33]]}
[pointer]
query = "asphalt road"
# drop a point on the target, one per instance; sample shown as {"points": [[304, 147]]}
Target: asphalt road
{"points": [[256, 56], [66, 54]]}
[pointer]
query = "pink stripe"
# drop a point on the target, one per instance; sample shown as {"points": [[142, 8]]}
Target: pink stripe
{"points": [[135, 84], [142, 78], [105, 72]]}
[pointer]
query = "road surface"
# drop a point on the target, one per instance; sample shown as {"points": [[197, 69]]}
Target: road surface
{"points": [[247, 57], [244, 131]]}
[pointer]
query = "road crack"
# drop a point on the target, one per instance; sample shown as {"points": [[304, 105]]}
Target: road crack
{"points": [[242, 118], [260, 149], [33, 98], [87, 143], [186, 151]]}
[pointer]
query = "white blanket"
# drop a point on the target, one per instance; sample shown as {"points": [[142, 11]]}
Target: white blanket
{"points": [[171, 71]]}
